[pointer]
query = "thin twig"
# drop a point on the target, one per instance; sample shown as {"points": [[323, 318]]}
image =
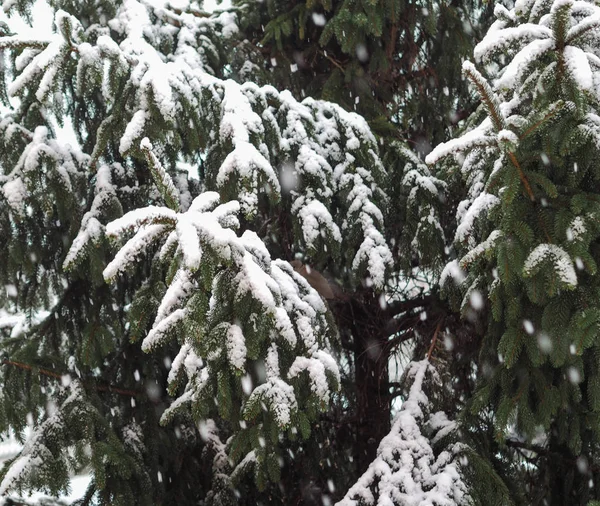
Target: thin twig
{"points": [[534, 127], [89, 495], [27, 367], [334, 61], [522, 176], [434, 340]]}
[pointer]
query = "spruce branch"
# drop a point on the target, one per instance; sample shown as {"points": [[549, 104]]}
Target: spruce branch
{"points": [[102, 139], [333, 60], [434, 340], [27, 367], [24, 132], [541, 450], [522, 176], [581, 29], [561, 14], [491, 103], [394, 308], [489, 98], [190, 10], [170, 17], [544, 119], [55, 375], [16, 42], [161, 177]]}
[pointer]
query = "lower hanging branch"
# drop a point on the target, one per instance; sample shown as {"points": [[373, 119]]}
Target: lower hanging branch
{"points": [[52, 374]]}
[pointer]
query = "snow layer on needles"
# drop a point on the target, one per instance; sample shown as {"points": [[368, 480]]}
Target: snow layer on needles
{"points": [[333, 151], [560, 259], [406, 470]]}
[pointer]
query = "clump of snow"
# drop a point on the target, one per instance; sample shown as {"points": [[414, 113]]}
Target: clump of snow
{"points": [[15, 194], [236, 347], [280, 398], [577, 229], [452, 271], [483, 203], [91, 230], [477, 137], [316, 372], [481, 249], [579, 68], [560, 259]]}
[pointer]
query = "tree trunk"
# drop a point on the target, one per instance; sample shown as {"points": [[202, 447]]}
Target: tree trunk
{"points": [[361, 322]]}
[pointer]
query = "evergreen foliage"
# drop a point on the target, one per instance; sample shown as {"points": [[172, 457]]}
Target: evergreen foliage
{"points": [[408, 470], [526, 241], [396, 62], [236, 335], [208, 289]]}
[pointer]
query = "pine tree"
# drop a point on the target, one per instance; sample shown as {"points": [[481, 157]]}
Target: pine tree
{"points": [[526, 245], [176, 343], [113, 252]]}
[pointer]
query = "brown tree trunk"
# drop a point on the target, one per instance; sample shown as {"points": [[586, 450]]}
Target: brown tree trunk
{"points": [[362, 324]]}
